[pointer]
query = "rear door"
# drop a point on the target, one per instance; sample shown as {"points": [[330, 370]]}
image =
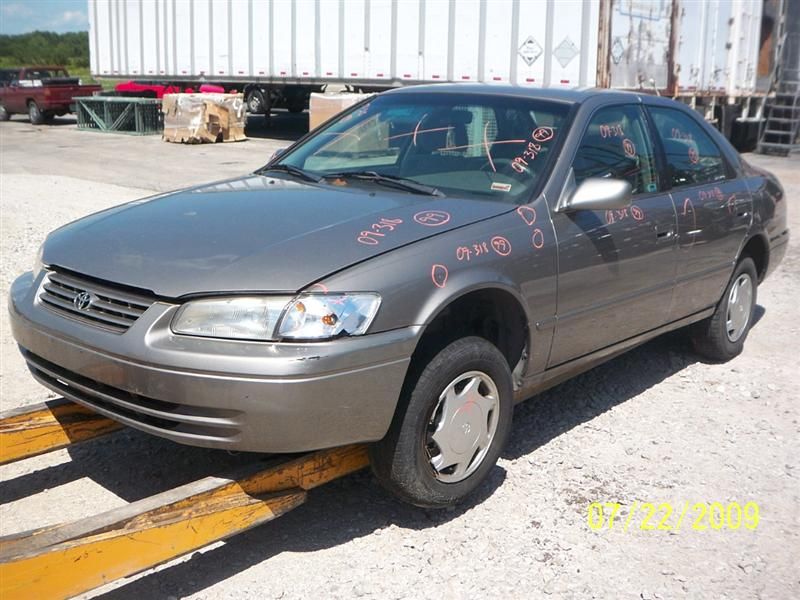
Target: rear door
{"points": [[714, 209], [616, 267]]}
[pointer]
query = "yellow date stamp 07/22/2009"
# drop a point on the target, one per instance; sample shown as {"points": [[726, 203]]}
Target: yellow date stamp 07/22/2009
{"points": [[664, 516]]}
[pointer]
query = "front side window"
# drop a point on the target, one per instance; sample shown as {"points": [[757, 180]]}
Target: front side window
{"points": [[494, 147], [616, 144], [692, 157]]}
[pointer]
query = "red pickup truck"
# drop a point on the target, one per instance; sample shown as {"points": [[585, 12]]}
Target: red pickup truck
{"points": [[42, 92]]}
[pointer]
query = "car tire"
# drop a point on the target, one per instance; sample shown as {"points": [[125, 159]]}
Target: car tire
{"points": [[721, 337], [36, 116], [4, 114], [437, 407]]}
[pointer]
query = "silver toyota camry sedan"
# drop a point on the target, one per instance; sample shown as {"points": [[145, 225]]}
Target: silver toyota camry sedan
{"points": [[404, 274]]}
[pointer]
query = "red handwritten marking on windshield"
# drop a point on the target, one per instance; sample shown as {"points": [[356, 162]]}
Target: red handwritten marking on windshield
{"points": [[486, 146], [637, 213], [432, 218], [501, 245], [540, 135], [629, 148], [320, 287], [537, 239], [543, 134], [418, 131], [527, 214], [439, 275]]}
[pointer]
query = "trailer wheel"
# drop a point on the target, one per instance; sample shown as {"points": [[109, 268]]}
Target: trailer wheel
{"points": [[255, 102], [4, 114], [36, 116]]}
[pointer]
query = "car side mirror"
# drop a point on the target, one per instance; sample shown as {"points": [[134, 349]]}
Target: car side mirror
{"points": [[596, 193]]}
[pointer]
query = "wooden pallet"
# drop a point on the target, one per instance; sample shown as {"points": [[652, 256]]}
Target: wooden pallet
{"points": [[68, 559]]}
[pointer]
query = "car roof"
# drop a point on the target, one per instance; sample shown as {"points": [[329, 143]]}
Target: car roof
{"points": [[568, 95]]}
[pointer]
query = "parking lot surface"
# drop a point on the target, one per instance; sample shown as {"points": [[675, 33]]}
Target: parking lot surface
{"points": [[655, 425]]}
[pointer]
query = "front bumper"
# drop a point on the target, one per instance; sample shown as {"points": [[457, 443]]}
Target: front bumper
{"points": [[253, 396]]}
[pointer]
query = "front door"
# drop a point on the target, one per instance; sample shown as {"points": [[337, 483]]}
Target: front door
{"points": [[616, 267]]}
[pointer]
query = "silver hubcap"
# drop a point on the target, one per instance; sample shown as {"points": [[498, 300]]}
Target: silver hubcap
{"points": [[462, 426], [740, 303]]}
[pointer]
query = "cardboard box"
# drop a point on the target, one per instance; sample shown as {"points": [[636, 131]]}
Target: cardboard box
{"points": [[203, 118], [324, 106]]}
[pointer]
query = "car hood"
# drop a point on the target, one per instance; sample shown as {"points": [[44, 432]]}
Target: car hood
{"points": [[251, 234]]}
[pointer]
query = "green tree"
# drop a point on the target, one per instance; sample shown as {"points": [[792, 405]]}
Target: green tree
{"points": [[45, 47]]}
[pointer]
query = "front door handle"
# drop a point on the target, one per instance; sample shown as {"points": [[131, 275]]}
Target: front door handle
{"points": [[666, 234]]}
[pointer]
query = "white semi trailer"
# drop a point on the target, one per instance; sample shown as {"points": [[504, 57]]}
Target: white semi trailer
{"points": [[717, 54]]}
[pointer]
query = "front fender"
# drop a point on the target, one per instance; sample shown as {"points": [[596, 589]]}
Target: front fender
{"points": [[417, 281]]}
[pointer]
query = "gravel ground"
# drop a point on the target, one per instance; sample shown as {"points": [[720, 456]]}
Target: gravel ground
{"points": [[655, 425]]}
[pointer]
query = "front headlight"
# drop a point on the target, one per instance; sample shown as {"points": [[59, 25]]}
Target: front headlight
{"points": [[232, 318], [306, 317], [323, 316]]}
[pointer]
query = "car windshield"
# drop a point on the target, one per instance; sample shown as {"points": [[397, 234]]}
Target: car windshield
{"points": [[489, 146]]}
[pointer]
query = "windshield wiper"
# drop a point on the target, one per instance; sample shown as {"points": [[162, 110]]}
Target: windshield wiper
{"points": [[399, 182], [292, 170]]}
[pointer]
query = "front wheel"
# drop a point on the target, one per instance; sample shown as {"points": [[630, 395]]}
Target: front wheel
{"points": [[721, 337], [4, 114], [450, 428]]}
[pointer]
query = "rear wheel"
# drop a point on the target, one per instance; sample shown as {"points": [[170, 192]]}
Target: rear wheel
{"points": [[4, 114], [36, 116], [450, 428], [721, 337]]}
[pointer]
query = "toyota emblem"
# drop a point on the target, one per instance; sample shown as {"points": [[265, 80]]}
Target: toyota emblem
{"points": [[83, 301]]}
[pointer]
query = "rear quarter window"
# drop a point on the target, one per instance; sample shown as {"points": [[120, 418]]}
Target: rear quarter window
{"points": [[692, 156]]}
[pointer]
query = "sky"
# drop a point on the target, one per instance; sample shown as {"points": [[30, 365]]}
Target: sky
{"points": [[22, 16]]}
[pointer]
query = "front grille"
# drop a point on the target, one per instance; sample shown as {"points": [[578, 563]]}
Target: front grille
{"points": [[133, 409], [109, 308]]}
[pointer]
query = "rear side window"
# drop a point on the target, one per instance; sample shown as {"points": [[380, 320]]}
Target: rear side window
{"points": [[616, 144], [692, 157]]}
